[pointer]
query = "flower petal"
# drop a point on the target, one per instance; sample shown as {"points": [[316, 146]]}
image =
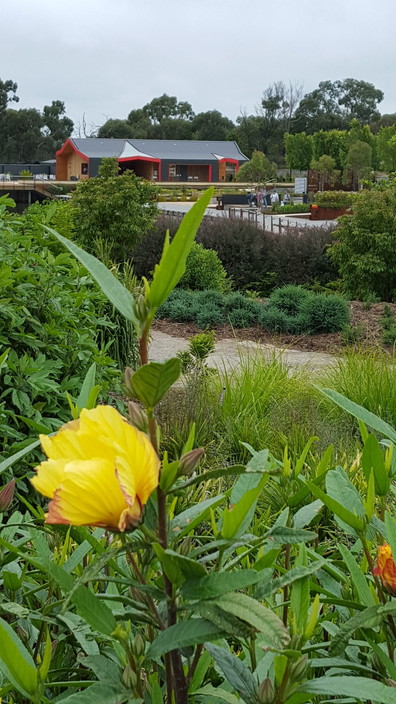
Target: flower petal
{"points": [[136, 461], [89, 494], [49, 475]]}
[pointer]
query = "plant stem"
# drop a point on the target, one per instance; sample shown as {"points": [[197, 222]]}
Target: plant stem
{"points": [[280, 697], [194, 663], [176, 684], [252, 653], [141, 580], [286, 588]]}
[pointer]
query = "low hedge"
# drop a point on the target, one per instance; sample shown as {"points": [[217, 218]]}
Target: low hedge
{"points": [[291, 208], [335, 199], [291, 310]]}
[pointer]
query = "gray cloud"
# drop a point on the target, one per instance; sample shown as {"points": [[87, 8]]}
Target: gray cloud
{"points": [[106, 57]]}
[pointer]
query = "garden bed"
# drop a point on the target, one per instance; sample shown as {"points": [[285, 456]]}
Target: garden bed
{"points": [[332, 343]]}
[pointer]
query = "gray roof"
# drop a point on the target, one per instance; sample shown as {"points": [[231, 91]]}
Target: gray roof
{"points": [[96, 148], [179, 149]]}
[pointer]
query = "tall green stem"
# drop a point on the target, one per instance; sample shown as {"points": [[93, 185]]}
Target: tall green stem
{"points": [[176, 684]]}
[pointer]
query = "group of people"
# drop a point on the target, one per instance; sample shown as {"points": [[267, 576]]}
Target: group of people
{"points": [[264, 198]]}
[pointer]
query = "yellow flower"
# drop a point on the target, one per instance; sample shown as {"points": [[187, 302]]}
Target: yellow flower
{"points": [[100, 471], [385, 568]]}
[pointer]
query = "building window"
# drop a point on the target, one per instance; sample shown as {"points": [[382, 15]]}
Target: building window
{"points": [[172, 170], [84, 169]]}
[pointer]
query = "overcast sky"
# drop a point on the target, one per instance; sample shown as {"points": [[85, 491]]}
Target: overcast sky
{"points": [[106, 57]]}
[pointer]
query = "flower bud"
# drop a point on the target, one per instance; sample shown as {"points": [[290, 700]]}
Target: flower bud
{"points": [[190, 461], [266, 694], [138, 416], [7, 495], [129, 677], [138, 646], [298, 668], [141, 309], [128, 374]]}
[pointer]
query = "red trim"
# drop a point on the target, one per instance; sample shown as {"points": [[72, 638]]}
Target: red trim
{"points": [[140, 158], [232, 161], [73, 146], [210, 173]]}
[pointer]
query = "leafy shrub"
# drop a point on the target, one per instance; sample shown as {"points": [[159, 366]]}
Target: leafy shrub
{"points": [[242, 317], [324, 313], [335, 199], [365, 247], [209, 297], [275, 320], [209, 316], [199, 348], [252, 257], [25, 173], [119, 208], [351, 334], [56, 322], [388, 336], [179, 306], [204, 270], [289, 298], [290, 208], [291, 310]]}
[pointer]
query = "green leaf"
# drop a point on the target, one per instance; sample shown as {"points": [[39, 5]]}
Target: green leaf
{"points": [[235, 672], [212, 474], [361, 413], [88, 606], [358, 578], [3, 358], [390, 524], [46, 661], [234, 516], [224, 621], [350, 518], [368, 618], [177, 567], [172, 266], [284, 535], [151, 381], [340, 488], [373, 459], [218, 583], [255, 614], [216, 693], [100, 692], [87, 385], [306, 514], [16, 663], [5, 464], [192, 632], [299, 597], [187, 520], [117, 294], [296, 573], [356, 687]]}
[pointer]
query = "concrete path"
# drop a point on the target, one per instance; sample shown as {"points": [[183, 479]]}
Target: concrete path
{"points": [[228, 353], [267, 221]]}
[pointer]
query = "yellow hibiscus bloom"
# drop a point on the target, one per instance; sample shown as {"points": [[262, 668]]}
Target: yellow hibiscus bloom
{"points": [[100, 471]]}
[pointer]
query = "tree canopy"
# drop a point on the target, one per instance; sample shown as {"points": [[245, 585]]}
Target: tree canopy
{"points": [[28, 134]]}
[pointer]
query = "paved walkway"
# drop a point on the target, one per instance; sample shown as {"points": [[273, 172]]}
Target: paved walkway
{"points": [[228, 353], [267, 221]]}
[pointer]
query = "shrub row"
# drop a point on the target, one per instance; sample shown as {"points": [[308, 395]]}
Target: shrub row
{"points": [[252, 257], [290, 310]]}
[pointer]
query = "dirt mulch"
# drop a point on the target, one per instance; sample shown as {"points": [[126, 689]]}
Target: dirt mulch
{"points": [[332, 343]]}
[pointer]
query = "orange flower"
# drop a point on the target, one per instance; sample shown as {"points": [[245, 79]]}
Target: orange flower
{"points": [[385, 568], [100, 471]]}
